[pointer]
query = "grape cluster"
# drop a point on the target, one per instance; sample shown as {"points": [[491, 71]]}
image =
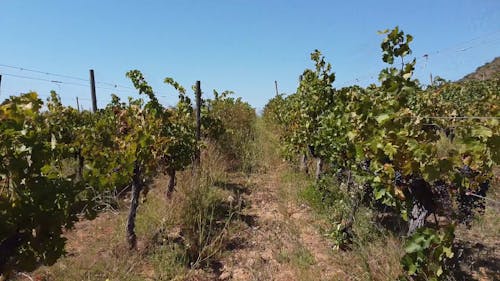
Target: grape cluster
{"points": [[470, 205], [398, 179], [442, 198], [467, 172], [365, 165]]}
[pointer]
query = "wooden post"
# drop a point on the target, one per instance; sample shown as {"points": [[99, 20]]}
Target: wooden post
{"points": [[198, 121], [171, 182], [0, 84], [92, 91], [77, 104], [137, 185], [276, 86], [303, 163]]}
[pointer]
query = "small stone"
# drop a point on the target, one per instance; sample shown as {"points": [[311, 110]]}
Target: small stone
{"points": [[267, 255], [240, 274], [225, 275]]}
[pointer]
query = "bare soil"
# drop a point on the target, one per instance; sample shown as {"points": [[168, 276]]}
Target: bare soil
{"points": [[281, 240]]}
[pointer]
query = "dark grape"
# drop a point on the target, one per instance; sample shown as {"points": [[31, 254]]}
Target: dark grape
{"points": [[470, 205], [398, 179], [365, 165], [442, 198], [467, 172]]}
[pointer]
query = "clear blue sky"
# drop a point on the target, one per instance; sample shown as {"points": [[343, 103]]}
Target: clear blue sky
{"points": [[239, 45]]}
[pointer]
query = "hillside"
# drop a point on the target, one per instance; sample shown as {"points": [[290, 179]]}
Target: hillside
{"points": [[487, 71]]}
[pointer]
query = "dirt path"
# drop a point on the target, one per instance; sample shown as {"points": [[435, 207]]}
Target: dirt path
{"points": [[282, 241]]}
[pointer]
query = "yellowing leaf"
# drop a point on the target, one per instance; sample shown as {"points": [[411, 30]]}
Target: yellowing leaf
{"points": [[482, 131], [53, 141], [351, 135], [381, 119]]}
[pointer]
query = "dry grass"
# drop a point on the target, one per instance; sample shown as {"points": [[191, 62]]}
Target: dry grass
{"points": [[375, 254], [377, 261]]}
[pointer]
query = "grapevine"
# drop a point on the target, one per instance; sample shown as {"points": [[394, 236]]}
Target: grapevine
{"points": [[416, 147]]}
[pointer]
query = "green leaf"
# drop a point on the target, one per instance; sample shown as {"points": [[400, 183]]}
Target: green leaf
{"points": [[407, 75], [409, 264], [351, 135], [482, 131], [448, 252], [414, 246], [381, 119], [439, 271], [390, 150], [445, 165], [53, 141], [379, 193], [430, 173]]}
